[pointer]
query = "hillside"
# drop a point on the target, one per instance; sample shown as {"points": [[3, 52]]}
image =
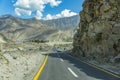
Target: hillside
{"points": [[18, 30], [63, 23], [2, 39]]}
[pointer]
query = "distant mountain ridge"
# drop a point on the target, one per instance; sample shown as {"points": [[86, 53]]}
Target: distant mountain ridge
{"points": [[64, 23], [17, 29]]}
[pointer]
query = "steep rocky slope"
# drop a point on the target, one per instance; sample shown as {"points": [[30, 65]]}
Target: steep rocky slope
{"points": [[63, 23], [98, 34], [3, 39]]}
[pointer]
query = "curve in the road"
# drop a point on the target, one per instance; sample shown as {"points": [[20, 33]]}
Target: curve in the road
{"points": [[63, 67], [99, 68]]}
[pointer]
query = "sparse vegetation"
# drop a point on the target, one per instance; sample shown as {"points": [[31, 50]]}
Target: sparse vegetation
{"points": [[39, 41], [70, 39]]}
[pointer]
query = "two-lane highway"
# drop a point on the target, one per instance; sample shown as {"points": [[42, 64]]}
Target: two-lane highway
{"points": [[63, 67]]}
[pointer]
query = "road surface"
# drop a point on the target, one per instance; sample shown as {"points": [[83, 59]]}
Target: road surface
{"points": [[63, 67]]}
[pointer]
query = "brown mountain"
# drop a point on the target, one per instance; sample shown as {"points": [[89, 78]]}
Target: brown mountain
{"points": [[16, 29]]}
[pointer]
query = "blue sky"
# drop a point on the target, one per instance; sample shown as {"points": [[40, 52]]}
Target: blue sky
{"points": [[41, 9]]}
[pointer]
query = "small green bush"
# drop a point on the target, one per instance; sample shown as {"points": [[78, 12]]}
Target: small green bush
{"points": [[39, 41]]}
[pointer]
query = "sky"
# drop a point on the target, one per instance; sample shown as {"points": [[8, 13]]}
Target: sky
{"points": [[41, 9]]}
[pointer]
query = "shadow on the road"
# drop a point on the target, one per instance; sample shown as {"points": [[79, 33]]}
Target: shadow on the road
{"points": [[86, 69]]}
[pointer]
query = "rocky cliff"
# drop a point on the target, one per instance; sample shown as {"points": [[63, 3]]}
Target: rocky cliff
{"points": [[98, 34]]}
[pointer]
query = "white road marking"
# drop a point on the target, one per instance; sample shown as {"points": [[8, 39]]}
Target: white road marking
{"points": [[62, 60], [74, 74]]}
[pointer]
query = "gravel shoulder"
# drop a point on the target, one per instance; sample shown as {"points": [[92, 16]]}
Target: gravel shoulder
{"points": [[20, 62]]}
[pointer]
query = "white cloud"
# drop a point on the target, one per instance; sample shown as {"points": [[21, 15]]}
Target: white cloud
{"points": [[26, 7], [19, 12], [54, 3], [38, 15], [67, 13], [64, 13], [29, 6], [49, 17]]}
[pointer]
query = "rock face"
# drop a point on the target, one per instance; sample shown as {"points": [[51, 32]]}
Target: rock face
{"points": [[2, 38], [63, 23], [98, 34]]}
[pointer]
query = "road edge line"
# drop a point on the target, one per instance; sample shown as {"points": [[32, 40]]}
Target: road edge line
{"points": [[97, 67], [41, 68]]}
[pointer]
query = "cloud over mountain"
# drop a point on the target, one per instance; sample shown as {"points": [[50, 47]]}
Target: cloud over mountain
{"points": [[26, 7], [64, 13]]}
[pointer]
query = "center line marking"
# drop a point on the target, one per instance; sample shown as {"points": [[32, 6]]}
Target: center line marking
{"points": [[74, 74], [62, 60]]}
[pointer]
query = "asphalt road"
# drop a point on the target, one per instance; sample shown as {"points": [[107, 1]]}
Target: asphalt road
{"points": [[63, 67]]}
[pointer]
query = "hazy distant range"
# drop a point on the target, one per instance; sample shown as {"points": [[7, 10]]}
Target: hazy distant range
{"points": [[13, 29]]}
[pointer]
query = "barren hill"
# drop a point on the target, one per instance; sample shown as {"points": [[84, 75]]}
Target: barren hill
{"points": [[18, 30]]}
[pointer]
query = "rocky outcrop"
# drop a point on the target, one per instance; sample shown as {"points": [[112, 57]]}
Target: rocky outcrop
{"points": [[2, 38], [98, 34]]}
